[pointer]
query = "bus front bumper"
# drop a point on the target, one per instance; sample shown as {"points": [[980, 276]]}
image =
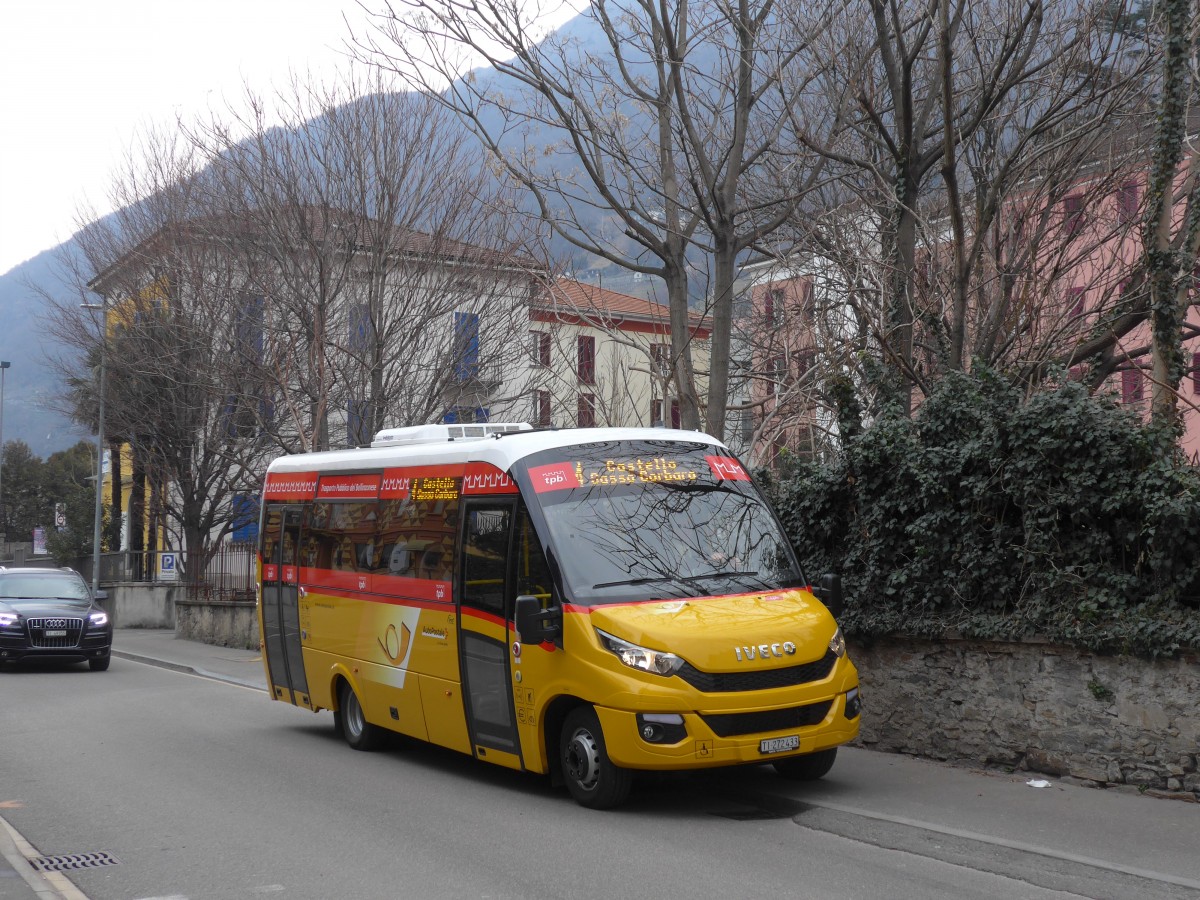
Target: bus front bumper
{"points": [[706, 740]]}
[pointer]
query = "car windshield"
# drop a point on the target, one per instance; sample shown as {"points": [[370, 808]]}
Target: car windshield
{"points": [[53, 586], [657, 519]]}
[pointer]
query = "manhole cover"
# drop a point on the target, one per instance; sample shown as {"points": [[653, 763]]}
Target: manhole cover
{"points": [[73, 861]]}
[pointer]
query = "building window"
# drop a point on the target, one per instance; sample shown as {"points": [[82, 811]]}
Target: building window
{"points": [[808, 300], [587, 411], [586, 365], [1073, 214], [541, 409], [1196, 372], [1131, 385], [243, 519], [1075, 302], [465, 352], [656, 414], [466, 415], [804, 362], [248, 330], [660, 360], [776, 368], [1127, 203], [358, 423], [540, 347], [773, 307], [359, 339]]}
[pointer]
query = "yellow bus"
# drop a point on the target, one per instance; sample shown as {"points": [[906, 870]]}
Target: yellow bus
{"points": [[583, 603]]}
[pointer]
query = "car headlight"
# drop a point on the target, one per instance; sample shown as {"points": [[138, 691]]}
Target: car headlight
{"points": [[98, 619], [7, 620], [837, 643], [657, 662]]}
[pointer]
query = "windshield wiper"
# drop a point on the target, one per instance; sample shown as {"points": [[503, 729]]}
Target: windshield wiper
{"points": [[648, 580], [728, 573], [653, 579]]}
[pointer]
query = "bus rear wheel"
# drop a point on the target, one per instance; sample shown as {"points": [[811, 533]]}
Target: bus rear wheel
{"points": [[352, 723], [592, 778], [808, 767]]}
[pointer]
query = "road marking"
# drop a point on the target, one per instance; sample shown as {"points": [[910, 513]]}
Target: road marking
{"points": [[12, 804]]}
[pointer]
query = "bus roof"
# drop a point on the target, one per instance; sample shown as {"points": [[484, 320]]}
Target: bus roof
{"points": [[500, 451]]}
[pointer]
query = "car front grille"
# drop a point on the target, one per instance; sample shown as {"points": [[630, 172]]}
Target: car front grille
{"points": [[55, 632], [734, 724]]}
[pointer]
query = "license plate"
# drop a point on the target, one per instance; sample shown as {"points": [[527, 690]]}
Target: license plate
{"points": [[56, 633], [779, 745]]}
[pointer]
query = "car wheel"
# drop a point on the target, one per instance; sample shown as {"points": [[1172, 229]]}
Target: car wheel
{"points": [[808, 767], [592, 778], [352, 722], [99, 664]]}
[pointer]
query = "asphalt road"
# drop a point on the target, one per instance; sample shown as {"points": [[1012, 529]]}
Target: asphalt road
{"points": [[193, 788]]}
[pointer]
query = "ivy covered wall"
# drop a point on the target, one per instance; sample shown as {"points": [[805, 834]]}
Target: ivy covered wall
{"points": [[994, 516]]}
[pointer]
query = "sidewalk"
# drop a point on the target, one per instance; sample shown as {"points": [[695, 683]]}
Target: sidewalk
{"points": [[160, 647]]}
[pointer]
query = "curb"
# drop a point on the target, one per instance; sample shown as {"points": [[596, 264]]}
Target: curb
{"points": [[184, 669], [18, 851]]}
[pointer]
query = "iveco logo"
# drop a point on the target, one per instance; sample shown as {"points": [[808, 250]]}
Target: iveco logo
{"points": [[764, 651]]}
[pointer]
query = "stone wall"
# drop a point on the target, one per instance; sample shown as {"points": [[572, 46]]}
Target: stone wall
{"points": [[226, 623], [1098, 720], [142, 604]]}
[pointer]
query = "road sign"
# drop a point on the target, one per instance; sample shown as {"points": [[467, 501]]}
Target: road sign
{"points": [[60, 516], [166, 566]]}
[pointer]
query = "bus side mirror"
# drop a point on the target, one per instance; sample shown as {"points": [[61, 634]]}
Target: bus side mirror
{"points": [[534, 624], [829, 592]]}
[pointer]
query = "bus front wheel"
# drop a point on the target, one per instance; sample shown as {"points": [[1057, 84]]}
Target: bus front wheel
{"points": [[352, 722], [592, 778]]}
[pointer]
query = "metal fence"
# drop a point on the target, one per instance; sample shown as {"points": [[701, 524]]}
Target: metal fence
{"points": [[228, 575]]}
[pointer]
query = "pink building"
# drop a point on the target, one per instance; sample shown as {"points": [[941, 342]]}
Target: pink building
{"points": [[1097, 230], [779, 350]]}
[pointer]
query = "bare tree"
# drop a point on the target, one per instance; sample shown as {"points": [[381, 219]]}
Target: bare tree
{"points": [[1172, 220], [386, 255], [166, 292], [634, 146], [954, 130]]}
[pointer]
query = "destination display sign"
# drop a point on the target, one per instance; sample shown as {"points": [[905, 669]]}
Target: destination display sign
{"points": [[612, 471], [434, 489]]}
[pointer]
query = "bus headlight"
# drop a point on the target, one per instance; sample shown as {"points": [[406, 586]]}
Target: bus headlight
{"points": [[657, 662], [837, 643]]}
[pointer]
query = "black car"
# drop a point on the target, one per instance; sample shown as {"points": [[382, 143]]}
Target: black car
{"points": [[51, 614]]}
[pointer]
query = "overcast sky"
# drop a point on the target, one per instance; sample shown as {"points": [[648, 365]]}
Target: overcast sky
{"points": [[79, 77]]}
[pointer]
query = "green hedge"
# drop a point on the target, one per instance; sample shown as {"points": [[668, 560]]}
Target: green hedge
{"points": [[989, 515]]}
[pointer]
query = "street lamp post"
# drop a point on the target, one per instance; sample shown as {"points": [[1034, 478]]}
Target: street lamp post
{"points": [[5, 365], [99, 452]]}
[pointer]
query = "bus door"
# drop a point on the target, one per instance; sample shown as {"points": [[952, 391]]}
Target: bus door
{"points": [[281, 603], [484, 630]]}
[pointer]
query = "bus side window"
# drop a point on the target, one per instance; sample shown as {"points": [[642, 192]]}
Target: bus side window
{"points": [[533, 573], [485, 559]]}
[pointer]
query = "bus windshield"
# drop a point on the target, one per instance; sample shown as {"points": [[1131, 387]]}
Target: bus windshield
{"points": [[631, 520]]}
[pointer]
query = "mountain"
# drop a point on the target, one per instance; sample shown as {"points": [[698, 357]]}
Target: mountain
{"points": [[30, 384]]}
